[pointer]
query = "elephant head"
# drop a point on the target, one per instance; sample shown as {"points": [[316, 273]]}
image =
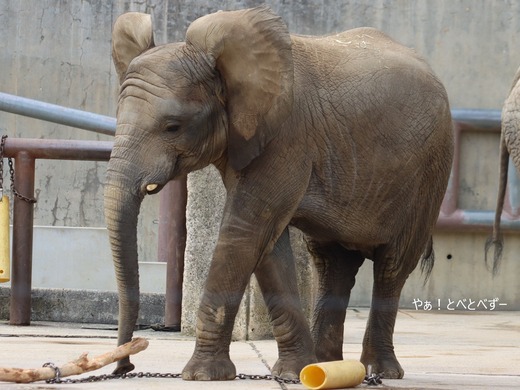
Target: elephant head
{"points": [[215, 99]]}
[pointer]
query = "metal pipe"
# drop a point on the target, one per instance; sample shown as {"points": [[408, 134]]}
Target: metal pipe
{"points": [[57, 114], [107, 125], [23, 216], [477, 117], [172, 222], [24, 152], [171, 246], [474, 221], [53, 149]]}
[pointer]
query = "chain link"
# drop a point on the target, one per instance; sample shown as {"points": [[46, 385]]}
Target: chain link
{"points": [[57, 372], [11, 172], [373, 380]]}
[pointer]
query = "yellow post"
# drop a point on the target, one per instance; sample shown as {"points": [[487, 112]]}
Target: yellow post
{"points": [[5, 262]]}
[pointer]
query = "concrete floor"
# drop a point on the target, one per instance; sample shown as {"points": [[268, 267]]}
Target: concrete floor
{"points": [[438, 350]]}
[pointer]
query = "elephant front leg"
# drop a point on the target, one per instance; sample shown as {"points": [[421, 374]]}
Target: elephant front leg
{"points": [[224, 288], [276, 276], [210, 360], [255, 216]]}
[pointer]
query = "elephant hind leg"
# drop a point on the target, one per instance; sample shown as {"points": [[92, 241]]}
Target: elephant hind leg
{"points": [[390, 274], [336, 268]]}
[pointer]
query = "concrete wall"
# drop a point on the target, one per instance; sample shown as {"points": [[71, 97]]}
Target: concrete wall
{"points": [[59, 52]]}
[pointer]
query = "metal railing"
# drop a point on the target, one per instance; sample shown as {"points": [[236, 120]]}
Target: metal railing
{"points": [[172, 229], [57, 114], [172, 203], [453, 218]]}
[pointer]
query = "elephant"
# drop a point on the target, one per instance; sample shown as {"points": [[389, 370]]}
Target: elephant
{"points": [[509, 147], [346, 137]]}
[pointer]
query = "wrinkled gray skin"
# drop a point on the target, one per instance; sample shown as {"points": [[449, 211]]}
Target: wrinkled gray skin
{"points": [[347, 137], [509, 146]]}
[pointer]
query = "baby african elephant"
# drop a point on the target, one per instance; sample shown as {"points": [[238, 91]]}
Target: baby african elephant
{"points": [[347, 137]]}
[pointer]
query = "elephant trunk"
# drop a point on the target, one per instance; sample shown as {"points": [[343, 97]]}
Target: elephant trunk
{"points": [[121, 213]]}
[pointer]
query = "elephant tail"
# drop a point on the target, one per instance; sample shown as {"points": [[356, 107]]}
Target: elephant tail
{"points": [[427, 260], [496, 240]]}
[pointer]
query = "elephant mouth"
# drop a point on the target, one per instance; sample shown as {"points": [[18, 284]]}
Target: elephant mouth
{"points": [[153, 188]]}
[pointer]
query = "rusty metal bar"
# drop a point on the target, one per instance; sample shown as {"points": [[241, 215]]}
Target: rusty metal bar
{"points": [[172, 217], [25, 152], [453, 219], [23, 213], [53, 149], [171, 246], [449, 209]]}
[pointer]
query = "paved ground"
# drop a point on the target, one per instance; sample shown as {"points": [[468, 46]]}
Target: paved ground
{"points": [[438, 350]]}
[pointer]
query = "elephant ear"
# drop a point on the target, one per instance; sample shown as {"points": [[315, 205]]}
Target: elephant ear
{"points": [[132, 35], [251, 49]]}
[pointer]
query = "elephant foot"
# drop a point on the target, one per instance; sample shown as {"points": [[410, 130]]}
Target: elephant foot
{"points": [[123, 366], [286, 368], [386, 365], [209, 368]]}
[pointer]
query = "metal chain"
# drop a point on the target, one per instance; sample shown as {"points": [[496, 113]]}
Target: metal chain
{"points": [[370, 380], [11, 172], [105, 377], [131, 375]]}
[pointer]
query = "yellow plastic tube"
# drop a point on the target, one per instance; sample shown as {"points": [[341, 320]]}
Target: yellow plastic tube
{"points": [[333, 375], [5, 262]]}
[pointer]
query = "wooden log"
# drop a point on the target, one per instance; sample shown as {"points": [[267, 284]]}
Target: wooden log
{"points": [[79, 366]]}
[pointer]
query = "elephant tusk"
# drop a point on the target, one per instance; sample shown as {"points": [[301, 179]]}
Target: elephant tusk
{"points": [[151, 187]]}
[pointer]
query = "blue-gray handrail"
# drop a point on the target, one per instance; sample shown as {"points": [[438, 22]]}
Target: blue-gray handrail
{"points": [[106, 125], [57, 114], [482, 118]]}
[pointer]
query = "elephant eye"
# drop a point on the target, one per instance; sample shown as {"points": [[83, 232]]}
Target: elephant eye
{"points": [[172, 128]]}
